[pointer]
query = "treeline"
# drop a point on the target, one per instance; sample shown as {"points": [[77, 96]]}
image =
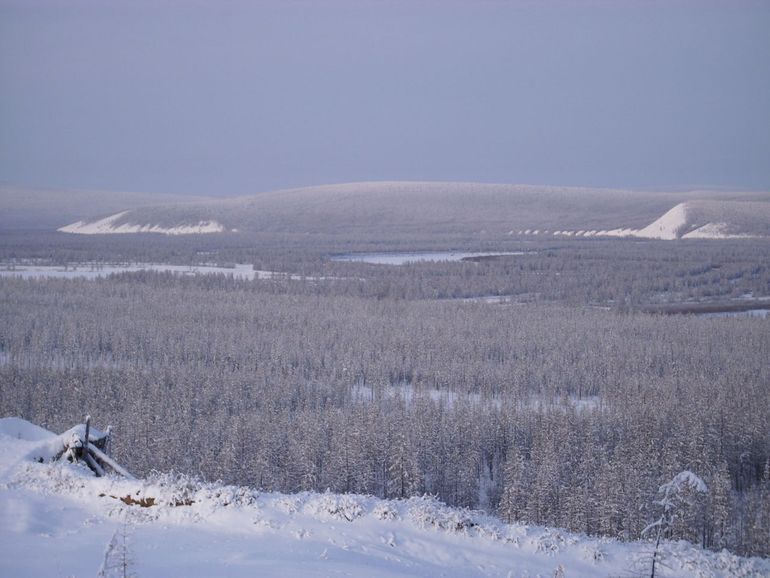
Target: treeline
{"points": [[625, 275], [546, 414]]}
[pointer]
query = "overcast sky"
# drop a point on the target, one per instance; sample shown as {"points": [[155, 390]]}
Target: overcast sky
{"points": [[238, 97]]}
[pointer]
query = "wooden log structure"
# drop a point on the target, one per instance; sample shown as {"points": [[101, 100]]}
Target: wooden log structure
{"points": [[91, 448]]}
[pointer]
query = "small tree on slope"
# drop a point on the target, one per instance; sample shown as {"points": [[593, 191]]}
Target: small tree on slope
{"points": [[676, 498], [118, 561]]}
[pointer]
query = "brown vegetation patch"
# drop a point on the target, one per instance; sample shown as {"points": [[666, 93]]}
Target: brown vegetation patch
{"points": [[143, 502], [147, 502]]}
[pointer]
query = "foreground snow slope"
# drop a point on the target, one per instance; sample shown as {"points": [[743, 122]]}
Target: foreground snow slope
{"points": [[57, 520]]}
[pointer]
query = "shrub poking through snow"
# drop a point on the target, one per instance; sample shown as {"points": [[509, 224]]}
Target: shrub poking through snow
{"points": [[429, 511], [118, 558], [340, 506], [679, 498], [385, 511]]}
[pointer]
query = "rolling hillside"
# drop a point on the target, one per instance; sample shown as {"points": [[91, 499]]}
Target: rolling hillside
{"points": [[42, 208], [389, 210]]}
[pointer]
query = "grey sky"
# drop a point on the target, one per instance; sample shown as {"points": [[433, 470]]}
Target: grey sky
{"points": [[240, 97]]}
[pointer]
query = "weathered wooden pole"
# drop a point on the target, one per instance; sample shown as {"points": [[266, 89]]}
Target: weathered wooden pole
{"points": [[87, 436]]}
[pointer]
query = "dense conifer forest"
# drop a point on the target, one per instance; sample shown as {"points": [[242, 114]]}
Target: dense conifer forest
{"points": [[567, 405]]}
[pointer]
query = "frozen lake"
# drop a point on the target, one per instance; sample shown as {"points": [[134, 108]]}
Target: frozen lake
{"points": [[402, 258], [761, 313]]}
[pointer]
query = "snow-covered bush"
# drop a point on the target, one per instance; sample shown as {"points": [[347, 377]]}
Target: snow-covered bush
{"points": [[428, 511], [339, 506], [385, 511]]}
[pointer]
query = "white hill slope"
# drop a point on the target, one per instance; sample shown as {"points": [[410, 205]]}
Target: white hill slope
{"points": [[393, 210], [109, 225], [44, 209], [57, 520], [694, 220]]}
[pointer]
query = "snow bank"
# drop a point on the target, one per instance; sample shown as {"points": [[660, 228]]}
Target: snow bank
{"points": [[20, 429]]}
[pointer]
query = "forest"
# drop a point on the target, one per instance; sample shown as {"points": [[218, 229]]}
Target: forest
{"points": [[569, 405]]}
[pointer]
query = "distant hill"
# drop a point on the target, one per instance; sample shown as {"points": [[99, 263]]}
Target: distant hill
{"points": [[389, 210], [695, 220], [40, 208]]}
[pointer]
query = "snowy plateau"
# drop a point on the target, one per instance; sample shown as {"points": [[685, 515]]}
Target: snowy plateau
{"points": [[58, 520]]}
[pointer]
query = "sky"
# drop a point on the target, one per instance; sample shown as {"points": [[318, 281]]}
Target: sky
{"points": [[234, 97]]}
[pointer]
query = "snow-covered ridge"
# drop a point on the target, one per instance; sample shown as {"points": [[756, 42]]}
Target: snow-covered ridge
{"points": [[182, 526], [388, 210], [668, 226], [676, 223], [110, 225]]}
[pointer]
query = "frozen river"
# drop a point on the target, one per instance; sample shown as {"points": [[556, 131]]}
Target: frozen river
{"points": [[402, 258], [95, 270]]}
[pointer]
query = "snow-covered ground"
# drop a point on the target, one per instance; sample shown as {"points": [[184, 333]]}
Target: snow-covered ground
{"points": [[57, 520]]}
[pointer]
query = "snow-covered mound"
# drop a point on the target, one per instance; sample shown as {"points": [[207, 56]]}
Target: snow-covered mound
{"points": [[114, 224], [59, 520]]}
